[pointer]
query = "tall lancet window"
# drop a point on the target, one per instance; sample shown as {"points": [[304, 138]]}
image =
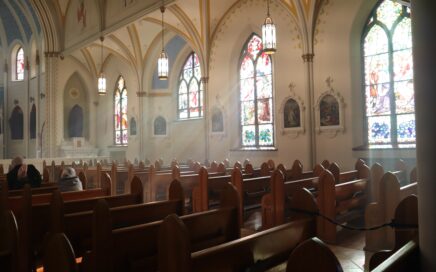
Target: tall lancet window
{"points": [[120, 113], [190, 93], [256, 95], [388, 65], [19, 64]]}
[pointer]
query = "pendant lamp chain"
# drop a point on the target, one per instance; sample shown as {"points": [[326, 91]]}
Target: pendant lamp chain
{"points": [[162, 62]]}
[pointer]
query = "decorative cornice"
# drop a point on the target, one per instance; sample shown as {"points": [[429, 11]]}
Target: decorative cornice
{"points": [[308, 57]]}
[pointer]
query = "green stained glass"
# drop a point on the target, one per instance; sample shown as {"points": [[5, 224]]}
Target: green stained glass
{"points": [[256, 93]]}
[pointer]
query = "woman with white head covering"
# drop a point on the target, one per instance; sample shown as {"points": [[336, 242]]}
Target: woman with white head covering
{"points": [[69, 181]]}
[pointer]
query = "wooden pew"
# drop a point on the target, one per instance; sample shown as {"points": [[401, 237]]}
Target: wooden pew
{"points": [[59, 255], [406, 214], [78, 226], [341, 202], [257, 252], [301, 258], [35, 220], [14, 202], [377, 213], [8, 242], [377, 172], [274, 203], [135, 248]]}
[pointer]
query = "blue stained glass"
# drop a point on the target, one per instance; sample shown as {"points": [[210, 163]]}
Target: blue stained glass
{"points": [[379, 129], [406, 128], [388, 65]]}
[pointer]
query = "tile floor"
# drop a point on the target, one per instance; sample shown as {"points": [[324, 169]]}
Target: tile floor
{"points": [[349, 250]]}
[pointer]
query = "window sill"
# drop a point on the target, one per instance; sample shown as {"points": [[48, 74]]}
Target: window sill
{"points": [[385, 147], [190, 119], [255, 149]]}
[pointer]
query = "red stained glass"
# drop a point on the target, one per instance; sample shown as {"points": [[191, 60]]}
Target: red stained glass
{"points": [[120, 113], [189, 93]]}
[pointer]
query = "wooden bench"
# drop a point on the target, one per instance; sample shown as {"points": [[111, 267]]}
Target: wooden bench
{"points": [[341, 202], [135, 248], [382, 211], [35, 220], [78, 226], [257, 252], [301, 258], [406, 214], [9, 242], [274, 203], [377, 172]]}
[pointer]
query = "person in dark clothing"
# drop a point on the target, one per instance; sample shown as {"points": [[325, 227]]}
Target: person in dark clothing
{"points": [[21, 174]]}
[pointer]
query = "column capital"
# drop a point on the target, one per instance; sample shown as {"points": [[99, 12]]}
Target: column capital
{"points": [[308, 57]]}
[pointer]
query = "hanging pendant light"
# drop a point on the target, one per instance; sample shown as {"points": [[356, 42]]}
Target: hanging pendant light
{"points": [[101, 79], [269, 34], [162, 62]]}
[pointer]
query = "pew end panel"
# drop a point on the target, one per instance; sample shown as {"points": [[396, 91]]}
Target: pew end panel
{"points": [[59, 255], [301, 258]]}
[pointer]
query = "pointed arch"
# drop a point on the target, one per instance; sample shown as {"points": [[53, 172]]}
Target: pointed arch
{"points": [[190, 93], [120, 112], [256, 95], [388, 75]]}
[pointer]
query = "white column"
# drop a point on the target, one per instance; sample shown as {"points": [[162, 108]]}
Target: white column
{"points": [[51, 67], [424, 58], [308, 60]]}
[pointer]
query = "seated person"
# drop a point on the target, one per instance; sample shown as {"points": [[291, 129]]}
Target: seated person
{"points": [[69, 181], [21, 174]]}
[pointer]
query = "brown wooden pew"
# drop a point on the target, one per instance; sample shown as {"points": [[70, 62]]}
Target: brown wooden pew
{"points": [[35, 220], [341, 202], [301, 258], [377, 213], [8, 242], [14, 202], [377, 172], [135, 248], [258, 252], [406, 214], [78, 226]]}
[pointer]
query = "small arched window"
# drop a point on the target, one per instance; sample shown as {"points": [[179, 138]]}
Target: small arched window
{"points": [[256, 95], [19, 64], [32, 122], [120, 113], [388, 65], [190, 93]]}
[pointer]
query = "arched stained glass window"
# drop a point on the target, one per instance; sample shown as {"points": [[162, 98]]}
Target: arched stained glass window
{"points": [[120, 112], [256, 95], [19, 69], [388, 64], [190, 93]]}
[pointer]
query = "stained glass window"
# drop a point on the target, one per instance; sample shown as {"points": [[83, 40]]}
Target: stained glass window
{"points": [[256, 95], [190, 93], [389, 92], [19, 71], [120, 113]]}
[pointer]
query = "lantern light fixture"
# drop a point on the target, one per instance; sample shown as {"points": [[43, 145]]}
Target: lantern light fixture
{"points": [[269, 39], [162, 62]]}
